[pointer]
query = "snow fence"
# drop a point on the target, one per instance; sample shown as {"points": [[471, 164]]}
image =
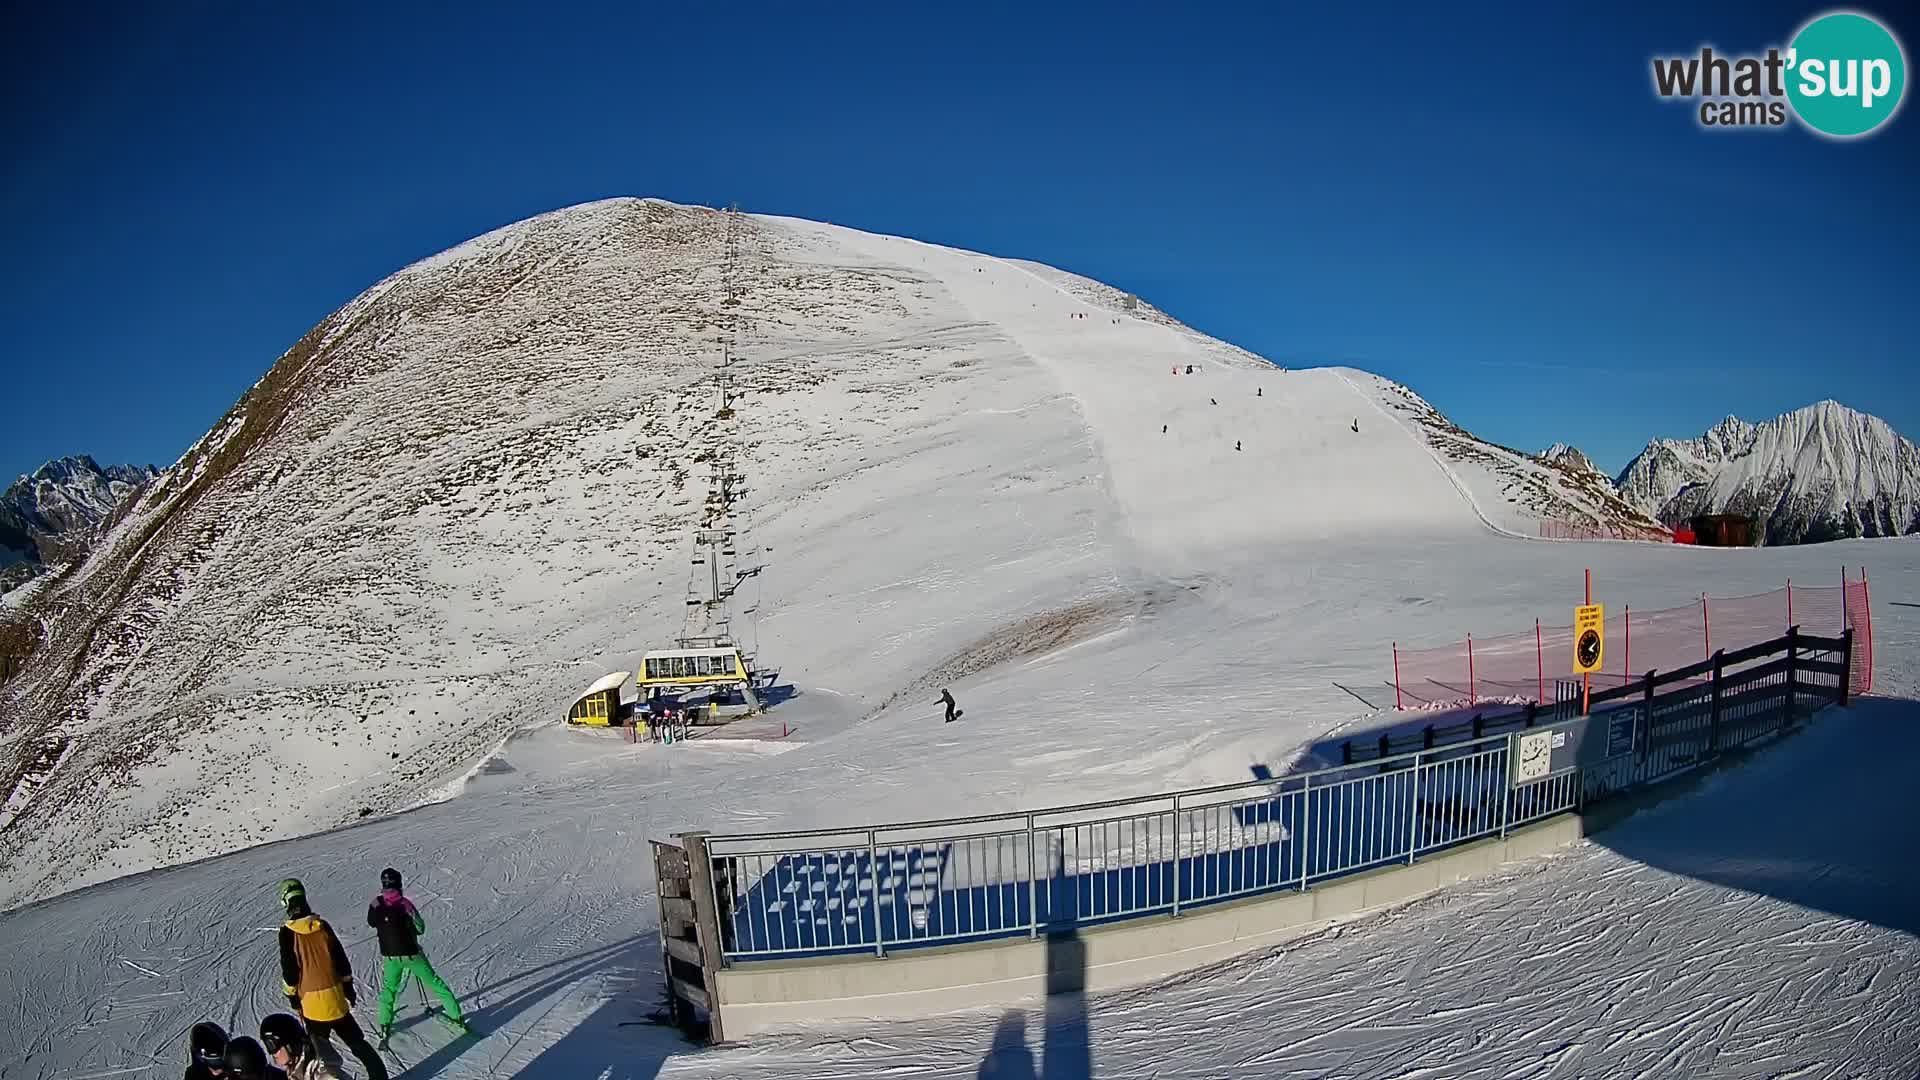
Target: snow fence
{"points": [[1519, 667], [888, 890]]}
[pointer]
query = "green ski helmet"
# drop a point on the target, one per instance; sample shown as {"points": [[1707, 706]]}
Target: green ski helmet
{"points": [[291, 888]]}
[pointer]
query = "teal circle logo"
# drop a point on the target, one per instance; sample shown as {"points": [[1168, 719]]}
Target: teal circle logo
{"points": [[1846, 74]]}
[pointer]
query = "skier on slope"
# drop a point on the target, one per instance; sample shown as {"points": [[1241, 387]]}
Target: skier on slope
{"points": [[946, 698], [246, 1061], [206, 1051], [286, 1044], [319, 981], [400, 925]]}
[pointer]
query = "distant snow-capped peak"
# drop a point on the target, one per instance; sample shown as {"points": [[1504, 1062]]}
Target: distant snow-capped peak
{"points": [[1820, 472], [47, 513]]}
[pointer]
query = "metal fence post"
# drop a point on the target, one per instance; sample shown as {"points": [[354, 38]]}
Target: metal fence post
{"points": [[1793, 675], [873, 867], [1413, 807], [1176, 854], [1306, 831], [1713, 724], [1506, 786], [1846, 666], [1033, 885]]}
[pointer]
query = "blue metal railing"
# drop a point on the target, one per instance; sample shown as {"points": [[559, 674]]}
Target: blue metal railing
{"points": [[875, 889]]}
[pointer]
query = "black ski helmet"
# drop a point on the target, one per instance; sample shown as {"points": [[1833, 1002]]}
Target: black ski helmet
{"points": [[245, 1059], [207, 1043], [283, 1031], [390, 878]]}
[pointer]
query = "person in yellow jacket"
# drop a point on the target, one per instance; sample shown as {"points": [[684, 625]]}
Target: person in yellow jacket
{"points": [[319, 981]]}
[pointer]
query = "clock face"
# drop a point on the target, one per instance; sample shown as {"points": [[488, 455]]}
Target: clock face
{"points": [[1533, 756], [1587, 652]]}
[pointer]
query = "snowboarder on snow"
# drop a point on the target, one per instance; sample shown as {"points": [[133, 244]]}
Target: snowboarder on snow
{"points": [[206, 1051], [400, 925], [286, 1044], [319, 981], [246, 1061], [946, 698]]}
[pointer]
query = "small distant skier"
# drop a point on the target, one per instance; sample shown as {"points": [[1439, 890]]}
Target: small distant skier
{"points": [[400, 925], [1356, 425], [1236, 444], [319, 981], [1213, 401], [286, 1044], [206, 1051], [1259, 391], [946, 698], [1163, 429], [246, 1061], [1189, 369]]}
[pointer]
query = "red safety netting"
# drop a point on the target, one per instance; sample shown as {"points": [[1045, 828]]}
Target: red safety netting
{"points": [[1859, 614], [1523, 666]]}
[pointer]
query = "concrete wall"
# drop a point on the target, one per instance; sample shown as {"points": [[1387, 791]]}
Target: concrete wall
{"points": [[757, 997]]}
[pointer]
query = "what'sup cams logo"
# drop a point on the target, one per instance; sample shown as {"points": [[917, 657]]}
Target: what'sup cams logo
{"points": [[1843, 76]]}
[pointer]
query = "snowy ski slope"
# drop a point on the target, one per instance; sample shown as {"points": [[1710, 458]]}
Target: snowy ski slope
{"points": [[466, 495], [962, 484], [536, 883]]}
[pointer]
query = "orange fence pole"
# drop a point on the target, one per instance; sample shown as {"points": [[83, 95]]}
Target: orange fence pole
{"points": [[1706, 625], [1540, 666], [1626, 669], [1397, 703], [1471, 695], [1586, 677], [1866, 601]]}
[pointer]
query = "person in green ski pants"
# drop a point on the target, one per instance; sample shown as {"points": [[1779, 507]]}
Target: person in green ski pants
{"points": [[400, 925]]}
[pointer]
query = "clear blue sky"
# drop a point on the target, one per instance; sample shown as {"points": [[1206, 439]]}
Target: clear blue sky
{"points": [[1491, 207]]}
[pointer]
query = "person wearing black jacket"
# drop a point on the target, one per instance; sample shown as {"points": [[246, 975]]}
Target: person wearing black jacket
{"points": [[399, 925]]}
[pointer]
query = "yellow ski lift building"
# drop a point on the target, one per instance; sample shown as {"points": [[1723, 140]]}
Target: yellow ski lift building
{"points": [[599, 705]]}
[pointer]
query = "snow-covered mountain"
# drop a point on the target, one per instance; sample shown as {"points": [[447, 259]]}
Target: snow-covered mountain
{"points": [[467, 493], [51, 514], [1568, 457], [46, 511], [1822, 472]]}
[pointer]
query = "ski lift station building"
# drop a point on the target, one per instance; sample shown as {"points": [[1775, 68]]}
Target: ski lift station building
{"points": [[599, 704]]}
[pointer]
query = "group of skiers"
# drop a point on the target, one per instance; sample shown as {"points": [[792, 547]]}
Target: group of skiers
{"points": [[666, 721], [317, 979], [1257, 392]]}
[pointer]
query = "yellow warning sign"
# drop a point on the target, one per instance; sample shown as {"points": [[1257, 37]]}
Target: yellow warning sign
{"points": [[1589, 638]]}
